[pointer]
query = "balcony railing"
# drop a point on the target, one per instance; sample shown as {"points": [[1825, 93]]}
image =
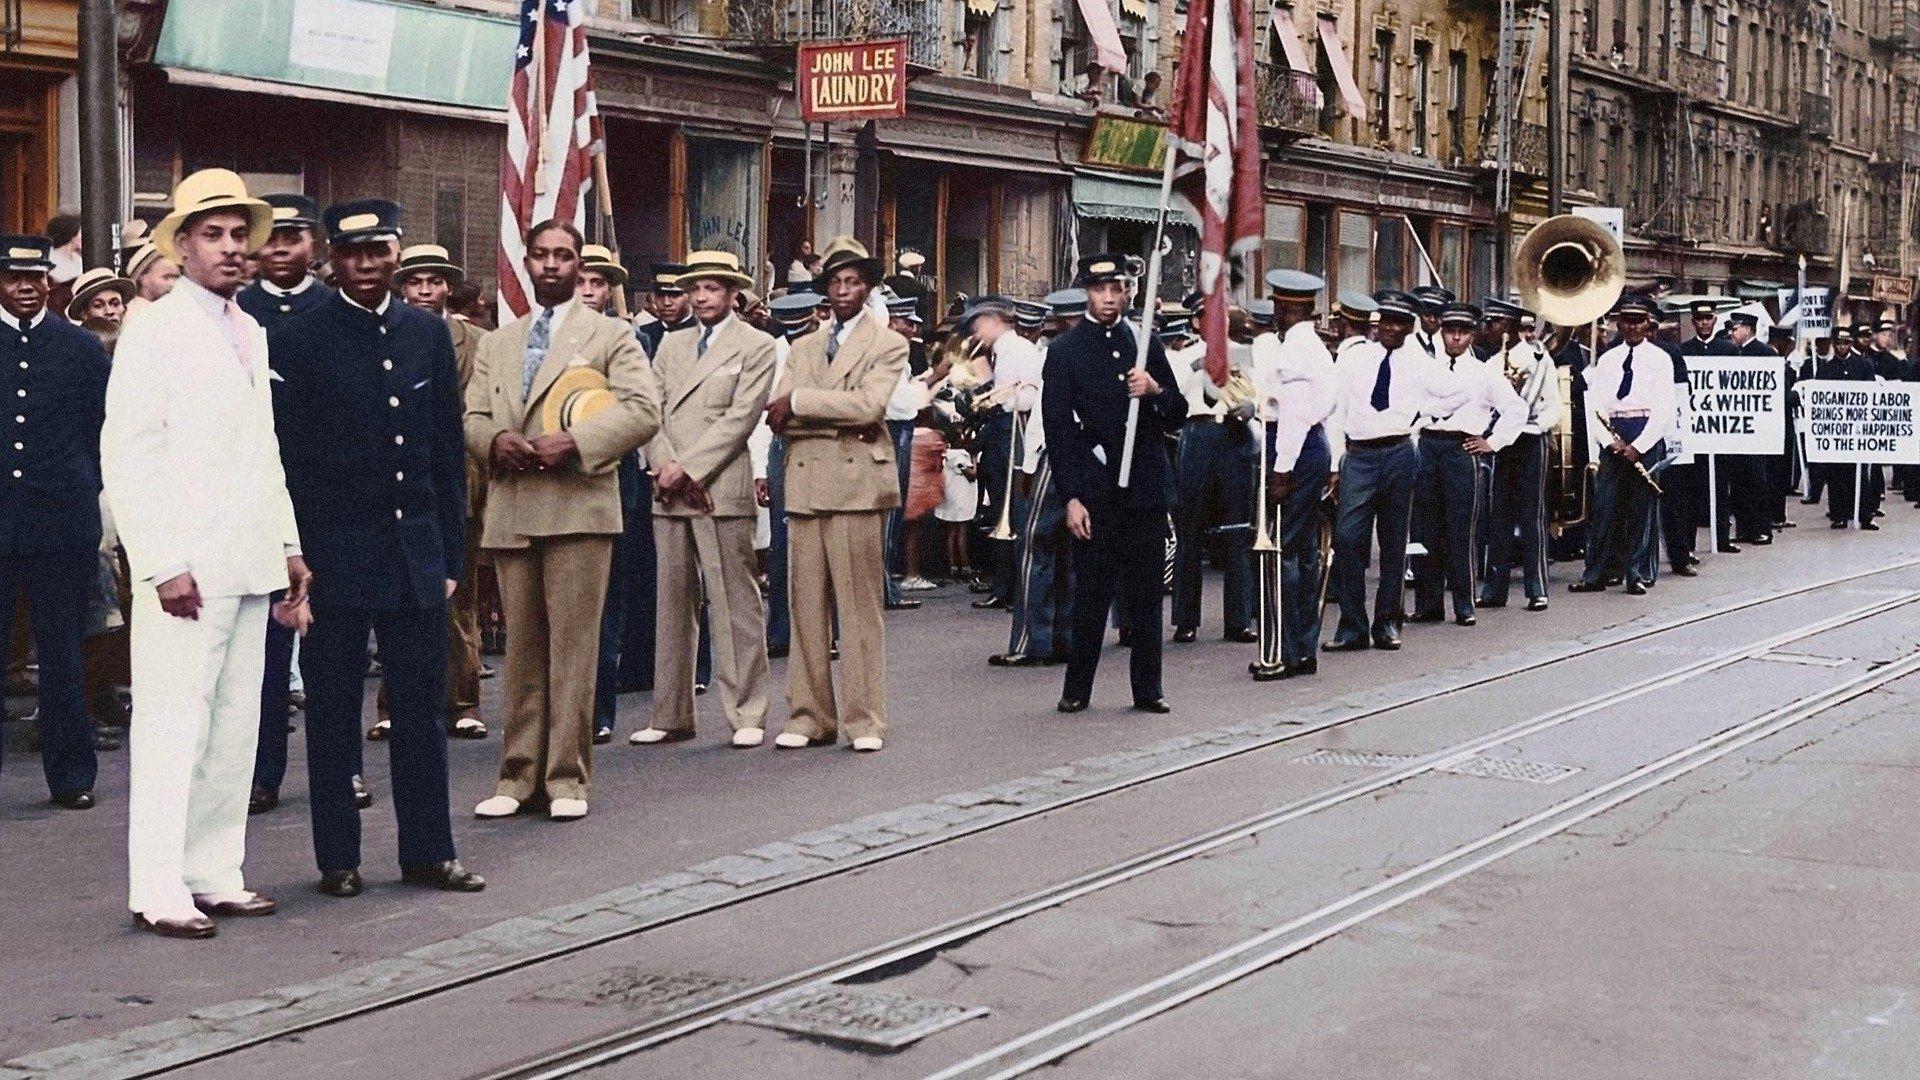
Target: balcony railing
{"points": [[779, 22], [1804, 230], [1529, 150], [1816, 115], [1695, 76], [1289, 99]]}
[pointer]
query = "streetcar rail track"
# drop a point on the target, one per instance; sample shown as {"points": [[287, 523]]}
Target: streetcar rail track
{"points": [[601, 1050], [1052, 1042]]}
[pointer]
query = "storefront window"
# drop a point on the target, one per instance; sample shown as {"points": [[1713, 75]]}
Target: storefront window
{"points": [[1283, 249], [723, 190], [1356, 252], [1453, 259], [1390, 246], [1484, 255]]}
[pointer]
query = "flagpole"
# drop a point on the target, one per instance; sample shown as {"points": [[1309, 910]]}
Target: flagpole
{"points": [[1149, 296]]}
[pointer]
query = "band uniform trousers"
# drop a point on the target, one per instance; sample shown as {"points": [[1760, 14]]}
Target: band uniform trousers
{"points": [[1041, 610], [1292, 580], [1215, 472], [1841, 478], [1517, 520], [1122, 562], [1742, 497], [1446, 507], [55, 585], [413, 661], [195, 726], [901, 431], [779, 632], [1620, 531], [551, 592], [639, 568], [718, 550], [1683, 508], [996, 438], [1375, 499], [837, 563], [270, 756]]}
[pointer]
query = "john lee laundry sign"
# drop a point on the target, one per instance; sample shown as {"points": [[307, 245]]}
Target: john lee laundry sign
{"points": [[862, 80]]}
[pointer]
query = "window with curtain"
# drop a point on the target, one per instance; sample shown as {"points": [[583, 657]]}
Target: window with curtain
{"points": [[1390, 252], [1452, 257], [1456, 105], [1422, 78], [1284, 245], [1356, 252], [1382, 85], [1319, 238]]}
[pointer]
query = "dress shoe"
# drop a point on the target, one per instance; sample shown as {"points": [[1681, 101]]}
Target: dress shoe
{"points": [[262, 801], [1464, 620], [1388, 639], [497, 806], [74, 800], [1786, 525], [1153, 705], [653, 736], [778, 652], [1587, 586], [987, 603], [602, 735], [379, 731], [468, 727], [1489, 602], [1836, 525], [1243, 636], [1309, 666], [1636, 588], [341, 883], [978, 586], [1261, 673], [904, 605], [1870, 526], [105, 743], [867, 744], [1691, 559], [1758, 541], [1428, 617], [1126, 639], [1347, 645], [748, 737], [1184, 635], [1728, 548], [793, 740], [244, 905], [566, 809], [1072, 705], [486, 671], [1536, 603], [193, 928], [447, 876], [1004, 659], [699, 688], [1685, 570], [362, 798]]}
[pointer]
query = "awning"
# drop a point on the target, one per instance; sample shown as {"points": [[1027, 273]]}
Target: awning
{"points": [[1342, 70], [189, 77], [1753, 289], [977, 159], [1290, 44], [1121, 198], [983, 8], [1134, 9]]}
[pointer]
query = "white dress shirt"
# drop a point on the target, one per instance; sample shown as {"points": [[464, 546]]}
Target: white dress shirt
{"points": [[1465, 395], [1355, 370], [1293, 378], [306, 283], [1540, 391], [1018, 362], [1190, 375], [14, 324], [1651, 393]]}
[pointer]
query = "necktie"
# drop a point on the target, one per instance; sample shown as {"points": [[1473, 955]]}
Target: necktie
{"points": [[1382, 381], [833, 340], [537, 338], [706, 334], [238, 338], [1626, 376]]}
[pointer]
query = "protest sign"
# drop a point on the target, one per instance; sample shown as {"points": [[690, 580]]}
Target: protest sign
{"points": [[1737, 405], [1860, 422]]}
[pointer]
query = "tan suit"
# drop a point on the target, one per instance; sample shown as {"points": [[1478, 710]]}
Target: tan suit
{"points": [[551, 537], [840, 483], [710, 406]]}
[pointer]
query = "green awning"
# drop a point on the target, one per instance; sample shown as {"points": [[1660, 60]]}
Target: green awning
{"points": [[1120, 198], [405, 51]]}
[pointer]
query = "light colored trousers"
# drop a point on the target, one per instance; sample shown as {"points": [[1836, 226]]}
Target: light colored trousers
{"points": [[551, 592], [720, 550], [196, 722], [836, 567]]}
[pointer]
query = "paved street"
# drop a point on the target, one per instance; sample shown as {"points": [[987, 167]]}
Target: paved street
{"points": [[1657, 837]]}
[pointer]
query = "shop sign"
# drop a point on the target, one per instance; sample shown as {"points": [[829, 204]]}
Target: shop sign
{"points": [[1888, 289], [861, 80], [1118, 142]]}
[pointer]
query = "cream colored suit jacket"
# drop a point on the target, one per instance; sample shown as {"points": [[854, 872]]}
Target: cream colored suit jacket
{"points": [[582, 497], [710, 405], [830, 466]]}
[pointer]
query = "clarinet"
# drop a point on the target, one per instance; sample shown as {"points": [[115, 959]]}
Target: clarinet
{"points": [[1638, 466]]}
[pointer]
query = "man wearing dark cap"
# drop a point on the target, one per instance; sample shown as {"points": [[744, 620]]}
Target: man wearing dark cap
{"points": [[1746, 484], [1683, 483], [367, 406], [54, 374], [1849, 364], [668, 303], [793, 316], [1214, 463], [1065, 309], [1516, 506], [1876, 344], [1433, 301], [1630, 398], [1354, 321], [1119, 532]]}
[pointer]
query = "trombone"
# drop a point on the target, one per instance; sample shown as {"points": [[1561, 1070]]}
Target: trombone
{"points": [[1003, 528]]}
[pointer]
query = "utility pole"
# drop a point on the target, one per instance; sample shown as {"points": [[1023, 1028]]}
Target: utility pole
{"points": [[99, 132], [1504, 110], [1556, 108]]}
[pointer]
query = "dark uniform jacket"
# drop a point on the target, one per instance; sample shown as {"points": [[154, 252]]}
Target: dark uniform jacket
{"points": [[652, 332], [368, 410], [270, 311], [1084, 409], [54, 378], [1855, 367]]}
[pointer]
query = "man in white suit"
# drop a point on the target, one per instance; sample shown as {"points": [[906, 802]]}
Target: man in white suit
{"points": [[192, 472]]}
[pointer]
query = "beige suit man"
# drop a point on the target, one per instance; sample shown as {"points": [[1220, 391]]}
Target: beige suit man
{"points": [[840, 482], [714, 381], [551, 515]]}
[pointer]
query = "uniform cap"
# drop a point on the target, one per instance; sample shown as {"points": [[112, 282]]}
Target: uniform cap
{"points": [[360, 221], [1295, 284]]}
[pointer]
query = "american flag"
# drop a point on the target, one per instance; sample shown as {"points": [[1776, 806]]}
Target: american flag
{"points": [[553, 131], [1214, 129]]}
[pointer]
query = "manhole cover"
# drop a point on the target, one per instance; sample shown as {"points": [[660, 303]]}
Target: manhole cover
{"points": [[1486, 768], [654, 993], [1806, 659], [873, 1018], [1361, 759]]}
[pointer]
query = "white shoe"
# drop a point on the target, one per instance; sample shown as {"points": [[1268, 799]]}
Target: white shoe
{"points": [[917, 584], [791, 740], [647, 736], [567, 809], [497, 806], [867, 743], [749, 736]]}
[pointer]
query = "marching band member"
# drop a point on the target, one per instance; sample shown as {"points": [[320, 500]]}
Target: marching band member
{"points": [[1295, 390], [1517, 509], [1214, 464], [1630, 401]]}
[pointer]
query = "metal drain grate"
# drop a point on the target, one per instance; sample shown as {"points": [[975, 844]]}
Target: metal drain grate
{"points": [[652, 993], [870, 1018], [1485, 768], [1806, 659]]}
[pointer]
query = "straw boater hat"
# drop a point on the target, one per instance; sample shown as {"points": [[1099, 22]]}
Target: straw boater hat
{"points": [[427, 258], [578, 395], [91, 284], [599, 259], [212, 189], [719, 265]]}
